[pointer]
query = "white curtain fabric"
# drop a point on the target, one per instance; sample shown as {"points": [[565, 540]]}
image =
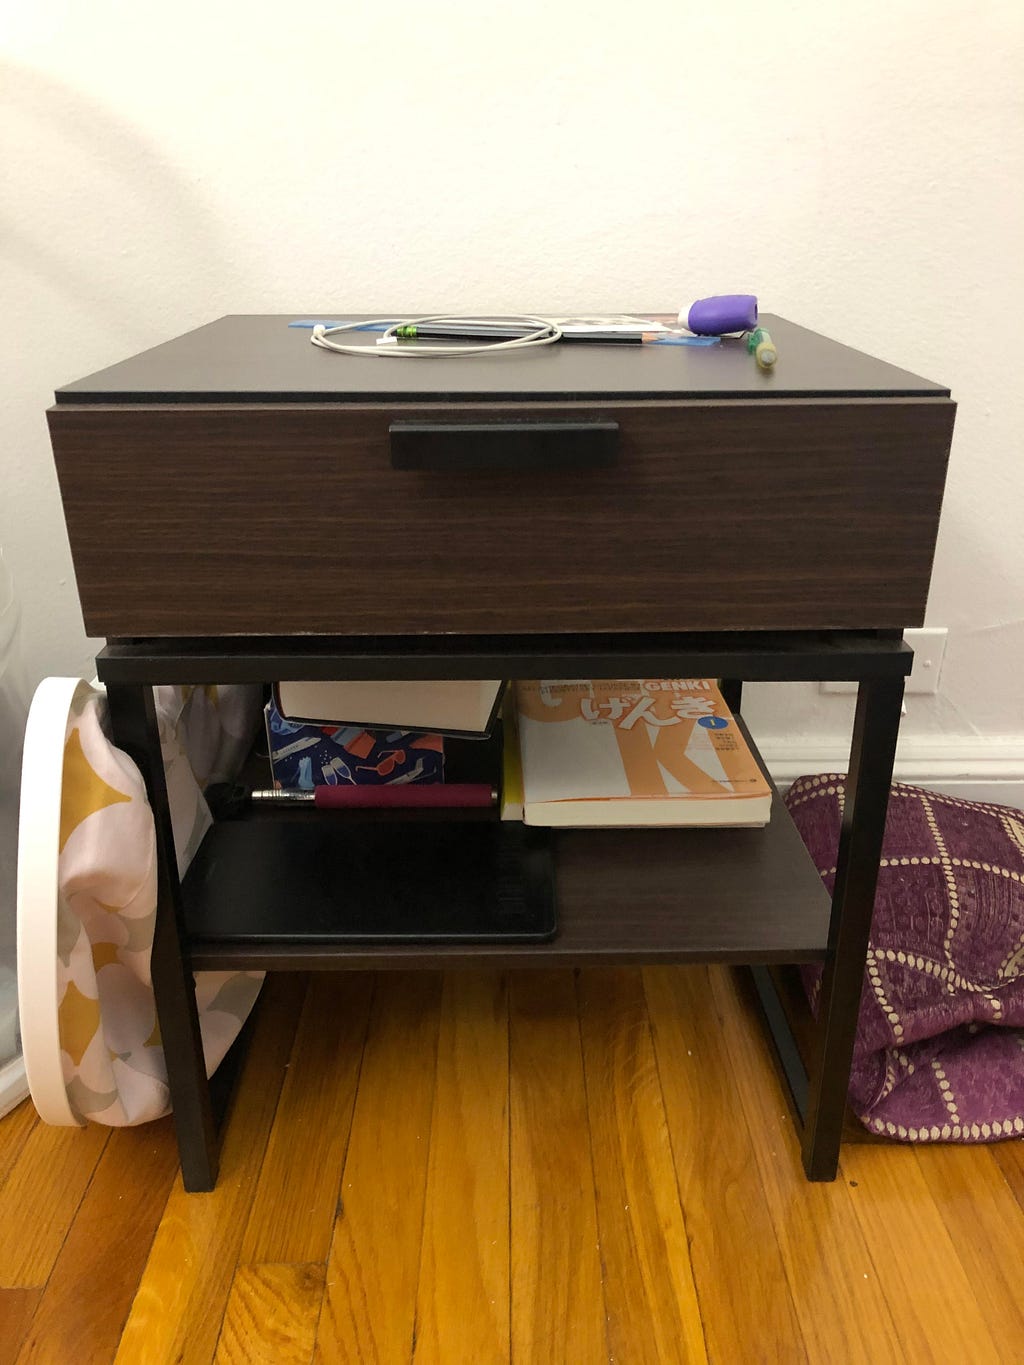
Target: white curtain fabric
{"points": [[100, 1058]]}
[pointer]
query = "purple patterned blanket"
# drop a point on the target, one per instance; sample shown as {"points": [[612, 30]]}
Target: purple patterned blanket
{"points": [[939, 1054]]}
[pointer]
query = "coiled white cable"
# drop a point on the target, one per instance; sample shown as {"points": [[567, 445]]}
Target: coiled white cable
{"points": [[543, 334]]}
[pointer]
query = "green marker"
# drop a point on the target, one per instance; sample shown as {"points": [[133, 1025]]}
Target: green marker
{"points": [[762, 348]]}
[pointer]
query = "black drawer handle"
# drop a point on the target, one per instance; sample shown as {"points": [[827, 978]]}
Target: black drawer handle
{"points": [[503, 445]]}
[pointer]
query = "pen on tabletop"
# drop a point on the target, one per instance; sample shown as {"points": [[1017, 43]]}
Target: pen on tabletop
{"points": [[762, 348], [495, 331], [456, 331], [459, 331]]}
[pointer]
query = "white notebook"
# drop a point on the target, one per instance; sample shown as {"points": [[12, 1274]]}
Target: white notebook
{"points": [[450, 707]]}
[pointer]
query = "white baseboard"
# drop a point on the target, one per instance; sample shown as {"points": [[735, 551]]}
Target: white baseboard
{"points": [[13, 1085], [979, 770]]}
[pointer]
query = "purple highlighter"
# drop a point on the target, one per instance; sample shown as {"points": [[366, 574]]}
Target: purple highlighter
{"points": [[723, 313]]}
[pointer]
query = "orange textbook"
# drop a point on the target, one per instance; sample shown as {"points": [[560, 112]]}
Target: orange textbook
{"points": [[647, 751]]}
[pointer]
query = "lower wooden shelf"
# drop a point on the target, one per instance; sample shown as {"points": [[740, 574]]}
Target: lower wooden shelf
{"points": [[623, 896]]}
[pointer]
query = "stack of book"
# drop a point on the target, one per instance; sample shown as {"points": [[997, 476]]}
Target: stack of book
{"points": [[588, 753], [372, 734], [641, 751], [455, 708]]}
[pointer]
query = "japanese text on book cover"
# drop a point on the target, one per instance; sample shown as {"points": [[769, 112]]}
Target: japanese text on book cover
{"points": [[643, 738]]}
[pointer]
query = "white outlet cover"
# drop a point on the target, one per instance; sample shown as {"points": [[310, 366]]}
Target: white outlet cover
{"points": [[929, 646]]}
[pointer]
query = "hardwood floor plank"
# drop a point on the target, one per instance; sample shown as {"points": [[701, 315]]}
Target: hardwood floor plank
{"points": [[83, 1308], [916, 1261], [297, 1194], [748, 1316], [177, 1311], [839, 1300], [557, 1302], [17, 1307], [271, 1315], [984, 1223], [1009, 1157], [462, 1302], [40, 1198], [936, 1314], [14, 1130], [649, 1292], [368, 1312]]}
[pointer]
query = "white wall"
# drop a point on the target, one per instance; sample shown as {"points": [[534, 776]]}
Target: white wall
{"points": [[860, 167]]}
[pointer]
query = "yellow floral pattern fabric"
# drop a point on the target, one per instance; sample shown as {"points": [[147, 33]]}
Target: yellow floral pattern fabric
{"points": [[112, 1058]]}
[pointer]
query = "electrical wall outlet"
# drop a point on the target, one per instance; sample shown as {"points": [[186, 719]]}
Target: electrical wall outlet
{"points": [[929, 646]]}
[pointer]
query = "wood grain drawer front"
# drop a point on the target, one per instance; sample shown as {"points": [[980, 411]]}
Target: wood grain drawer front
{"points": [[219, 520]]}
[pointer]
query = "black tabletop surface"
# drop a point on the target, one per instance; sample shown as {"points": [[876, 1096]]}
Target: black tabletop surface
{"points": [[260, 358]]}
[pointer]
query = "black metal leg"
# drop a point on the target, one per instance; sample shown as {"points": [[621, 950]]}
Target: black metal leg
{"points": [[134, 729], [732, 693], [787, 1050], [860, 848]]}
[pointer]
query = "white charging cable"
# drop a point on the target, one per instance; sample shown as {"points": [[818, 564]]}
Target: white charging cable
{"points": [[541, 333]]}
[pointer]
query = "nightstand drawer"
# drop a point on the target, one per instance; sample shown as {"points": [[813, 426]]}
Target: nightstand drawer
{"points": [[213, 519]]}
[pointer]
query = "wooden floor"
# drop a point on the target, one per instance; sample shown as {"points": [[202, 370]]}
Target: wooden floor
{"points": [[538, 1166]]}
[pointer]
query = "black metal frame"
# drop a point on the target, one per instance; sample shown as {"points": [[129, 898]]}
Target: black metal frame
{"points": [[133, 727], [879, 661], [762, 656]]}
